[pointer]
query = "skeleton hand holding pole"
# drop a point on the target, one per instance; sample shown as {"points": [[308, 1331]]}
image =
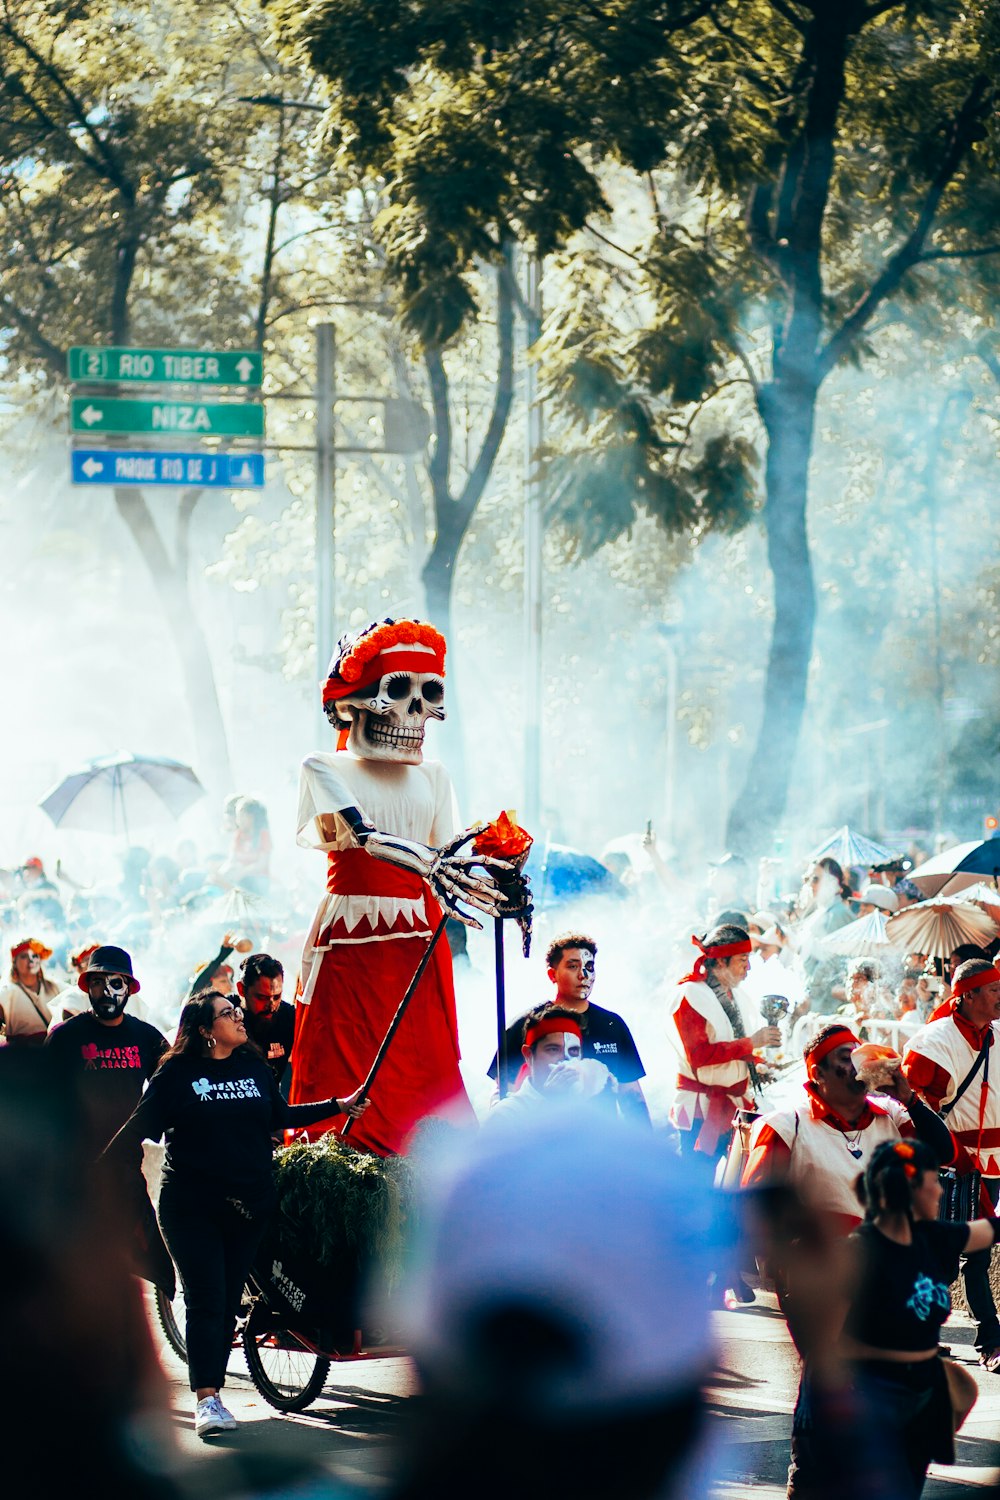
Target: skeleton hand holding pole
{"points": [[452, 878]]}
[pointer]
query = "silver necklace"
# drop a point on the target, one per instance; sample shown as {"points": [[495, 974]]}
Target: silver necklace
{"points": [[853, 1143]]}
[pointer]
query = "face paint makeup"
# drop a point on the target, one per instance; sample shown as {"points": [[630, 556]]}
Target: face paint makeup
{"points": [[108, 996]]}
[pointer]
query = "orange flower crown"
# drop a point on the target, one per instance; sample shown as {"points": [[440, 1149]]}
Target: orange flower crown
{"points": [[31, 945], [360, 662]]}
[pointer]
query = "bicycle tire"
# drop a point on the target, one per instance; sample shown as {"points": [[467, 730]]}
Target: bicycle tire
{"points": [[288, 1377], [167, 1313]]}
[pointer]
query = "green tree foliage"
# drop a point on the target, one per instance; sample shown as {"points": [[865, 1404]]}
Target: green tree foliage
{"points": [[806, 163], [126, 213]]}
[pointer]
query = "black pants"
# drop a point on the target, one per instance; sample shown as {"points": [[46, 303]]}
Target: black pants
{"points": [[874, 1438], [213, 1240], [978, 1292]]}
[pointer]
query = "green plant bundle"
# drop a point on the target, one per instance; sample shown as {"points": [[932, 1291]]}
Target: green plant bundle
{"points": [[344, 1211]]}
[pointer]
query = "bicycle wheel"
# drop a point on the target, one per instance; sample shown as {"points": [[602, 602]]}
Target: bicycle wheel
{"points": [[287, 1374], [171, 1316]]}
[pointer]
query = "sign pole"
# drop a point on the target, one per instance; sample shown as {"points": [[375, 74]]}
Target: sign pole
{"points": [[326, 513]]}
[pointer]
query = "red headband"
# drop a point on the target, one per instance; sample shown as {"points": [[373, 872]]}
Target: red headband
{"points": [[31, 945], [714, 950], [974, 982], [384, 650], [839, 1038], [549, 1024]]}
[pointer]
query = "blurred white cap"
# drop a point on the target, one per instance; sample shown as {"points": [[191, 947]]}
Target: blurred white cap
{"points": [[594, 1226], [880, 897]]}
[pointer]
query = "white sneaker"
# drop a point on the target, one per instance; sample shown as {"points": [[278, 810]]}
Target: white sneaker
{"points": [[210, 1417]]}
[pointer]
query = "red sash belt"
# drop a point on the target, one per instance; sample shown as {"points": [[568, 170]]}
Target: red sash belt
{"points": [[352, 872], [722, 1105]]}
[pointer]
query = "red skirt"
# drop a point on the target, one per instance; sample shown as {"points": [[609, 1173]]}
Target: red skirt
{"points": [[337, 1035]]}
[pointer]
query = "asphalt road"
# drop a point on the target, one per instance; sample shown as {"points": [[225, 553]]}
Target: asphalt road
{"points": [[351, 1428]]}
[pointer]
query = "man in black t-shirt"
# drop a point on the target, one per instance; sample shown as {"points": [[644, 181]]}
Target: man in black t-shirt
{"points": [[571, 960], [111, 1055], [269, 1021]]}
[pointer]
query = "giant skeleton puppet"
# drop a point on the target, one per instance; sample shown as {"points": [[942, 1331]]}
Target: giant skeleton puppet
{"points": [[386, 820]]}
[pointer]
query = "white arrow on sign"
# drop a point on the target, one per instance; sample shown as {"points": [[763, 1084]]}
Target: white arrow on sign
{"points": [[92, 414], [244, 368], [91, 467]]}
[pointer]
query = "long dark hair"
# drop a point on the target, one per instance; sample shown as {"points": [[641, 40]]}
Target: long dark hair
{"points": [[189, 1041], [831, 865], [895, 1169]]}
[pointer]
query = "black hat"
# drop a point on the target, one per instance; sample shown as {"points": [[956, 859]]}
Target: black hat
{"points": [[109, 960]]}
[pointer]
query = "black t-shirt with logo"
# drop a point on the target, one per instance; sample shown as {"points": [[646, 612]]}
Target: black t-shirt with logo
{"points": [[902, 1295], [274, 1037], [110, 1064], [605, 1037], [217, 1119]]}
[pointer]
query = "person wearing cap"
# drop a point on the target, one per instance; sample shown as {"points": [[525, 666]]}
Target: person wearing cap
{"points": [[821, 1144], [26, 1003], [950, 1063], [111, 1054], [571, 965], [33, 876], [554, 1068], [877, 898], [557, 1306], [716, 1072]]}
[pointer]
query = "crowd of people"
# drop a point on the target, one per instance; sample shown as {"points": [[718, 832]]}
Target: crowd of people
{"points": [[768, 1030]]}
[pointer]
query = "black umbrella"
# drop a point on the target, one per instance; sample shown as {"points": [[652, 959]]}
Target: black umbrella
{"points": [[118, 791]]}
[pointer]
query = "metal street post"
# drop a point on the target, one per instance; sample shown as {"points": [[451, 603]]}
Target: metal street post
{"points": [[326, 496]]}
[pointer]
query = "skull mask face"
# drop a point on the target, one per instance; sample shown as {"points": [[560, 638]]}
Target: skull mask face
{"points": [[389, 719], [109, 995]]}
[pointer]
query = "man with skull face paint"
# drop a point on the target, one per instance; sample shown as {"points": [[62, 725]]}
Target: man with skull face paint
{"points": [[112, 1055], [386, 820]]}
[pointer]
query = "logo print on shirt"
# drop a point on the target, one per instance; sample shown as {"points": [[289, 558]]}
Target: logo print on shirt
{"points": [[927, 1295], [230, 1088]]}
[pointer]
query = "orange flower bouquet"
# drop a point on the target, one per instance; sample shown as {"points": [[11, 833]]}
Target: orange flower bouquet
{"points": [[505, 839]]}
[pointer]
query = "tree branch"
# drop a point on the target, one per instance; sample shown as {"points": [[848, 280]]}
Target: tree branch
{"points": [[113, 171], [791, 16], [50, 353], [961, 136], [927, 255]]}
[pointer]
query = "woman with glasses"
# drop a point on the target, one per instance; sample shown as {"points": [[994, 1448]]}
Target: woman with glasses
{"points": [[214, 1099]]}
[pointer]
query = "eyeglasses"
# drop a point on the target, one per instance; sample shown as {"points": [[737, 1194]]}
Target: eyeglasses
{"points": [[231, 1013]]}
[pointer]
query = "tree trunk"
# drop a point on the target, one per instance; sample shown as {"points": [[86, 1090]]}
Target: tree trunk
{"points": [[171, 584], [788, 409]]}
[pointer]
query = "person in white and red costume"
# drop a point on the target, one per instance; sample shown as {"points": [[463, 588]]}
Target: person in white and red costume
{"points": [[386, 820], [960, 1046], [714, 1054], [822, 1145]]}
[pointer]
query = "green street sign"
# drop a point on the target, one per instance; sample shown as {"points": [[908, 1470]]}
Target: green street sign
{"points": [[95, 414], [243, 367]]}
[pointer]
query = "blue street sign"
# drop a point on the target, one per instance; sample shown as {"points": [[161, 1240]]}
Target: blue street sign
{"points": [[224, 471]]}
